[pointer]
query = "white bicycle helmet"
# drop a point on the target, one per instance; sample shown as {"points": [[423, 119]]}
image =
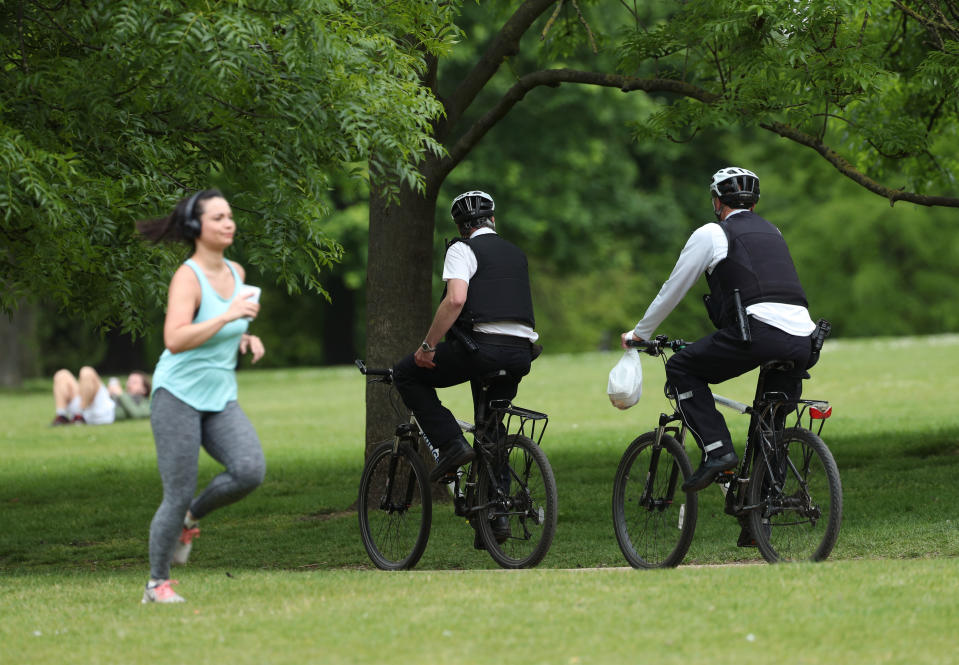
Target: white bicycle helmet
{"points": [[735, 187], [470, 208]]}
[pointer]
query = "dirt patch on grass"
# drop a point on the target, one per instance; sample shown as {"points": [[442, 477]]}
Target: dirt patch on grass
{"points": [[326, 515]]}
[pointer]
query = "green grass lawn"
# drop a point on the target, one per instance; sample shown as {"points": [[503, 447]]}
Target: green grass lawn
{"points": [[282, 576]]}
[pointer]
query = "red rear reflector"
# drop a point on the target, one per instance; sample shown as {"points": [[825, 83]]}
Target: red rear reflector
{"points": [[820, 411]]}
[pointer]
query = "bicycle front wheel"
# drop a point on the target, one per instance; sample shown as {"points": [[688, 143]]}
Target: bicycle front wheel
{"points": [[519, 519], [653, 518], [797, 499], [395, 507]]}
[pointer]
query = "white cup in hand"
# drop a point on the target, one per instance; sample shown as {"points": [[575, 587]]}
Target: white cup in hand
{"points": [[245, 290]]}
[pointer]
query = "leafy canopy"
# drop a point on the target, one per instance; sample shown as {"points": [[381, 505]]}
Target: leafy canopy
{"points": [[874, 81], [111, 111]]}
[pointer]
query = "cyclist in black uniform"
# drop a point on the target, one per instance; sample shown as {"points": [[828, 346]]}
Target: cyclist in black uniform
{"points": [[756, 303], [487, 310]]}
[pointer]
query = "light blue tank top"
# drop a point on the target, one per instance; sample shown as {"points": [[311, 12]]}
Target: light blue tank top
{"points": [[205, 377]]}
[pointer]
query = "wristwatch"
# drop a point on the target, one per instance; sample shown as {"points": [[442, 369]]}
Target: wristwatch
{"points": [[426, 347]]}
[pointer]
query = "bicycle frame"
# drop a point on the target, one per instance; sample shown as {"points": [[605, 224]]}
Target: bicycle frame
{"points": [[531, 424], [786, 476], [488, 451], [508, 492], [762, 442]]}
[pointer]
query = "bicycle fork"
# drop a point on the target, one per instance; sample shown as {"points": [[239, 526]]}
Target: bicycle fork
{"points": [[660, 503], [403, 432]]}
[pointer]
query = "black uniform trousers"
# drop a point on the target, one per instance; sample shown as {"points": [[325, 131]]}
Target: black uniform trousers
{"points": [[722, 356], [455, 364]]}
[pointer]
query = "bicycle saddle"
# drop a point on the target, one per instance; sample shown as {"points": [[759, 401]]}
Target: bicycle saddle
{"points": [[494, 376], [781, 366]]}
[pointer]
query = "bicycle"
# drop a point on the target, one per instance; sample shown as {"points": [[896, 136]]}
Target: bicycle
{"points": [[786, 488], [509, 481]]}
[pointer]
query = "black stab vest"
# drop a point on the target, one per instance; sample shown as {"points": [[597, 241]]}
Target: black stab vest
{"points": [[758, 264], [499, 291]]}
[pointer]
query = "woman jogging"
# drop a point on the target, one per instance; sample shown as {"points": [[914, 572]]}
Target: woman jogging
{"points": [[194, 385]]}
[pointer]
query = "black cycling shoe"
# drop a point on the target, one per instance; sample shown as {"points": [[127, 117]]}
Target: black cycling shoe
{"points": [[500, 532], [501, 528], [746, 538], [452, 456], [708, 470]]}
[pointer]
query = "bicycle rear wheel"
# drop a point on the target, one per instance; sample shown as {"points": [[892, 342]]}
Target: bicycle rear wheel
{"points": [[800, 511], [395, 507], [528, 503], [653, 518]]}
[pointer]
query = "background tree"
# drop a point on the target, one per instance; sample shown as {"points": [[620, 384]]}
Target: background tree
{"points": [[112, 111], [600, 216], [855, 81]]}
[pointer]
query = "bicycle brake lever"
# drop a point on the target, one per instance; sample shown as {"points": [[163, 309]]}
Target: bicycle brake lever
{"points": [[652, 348]]}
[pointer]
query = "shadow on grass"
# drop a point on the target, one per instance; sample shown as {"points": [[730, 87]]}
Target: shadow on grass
{"points": [[935, 445], [898, 487]]}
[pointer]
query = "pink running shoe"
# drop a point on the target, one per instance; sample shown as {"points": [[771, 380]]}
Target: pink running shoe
{"points": [[162, 592], [184, 544]]}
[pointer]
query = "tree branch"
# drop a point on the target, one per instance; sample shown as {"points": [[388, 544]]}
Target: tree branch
{"points": [[552, 19], [935, 114], [848, 170], [589, 33], [902, 154], [505, 44], [24, 66], [59, 28], [932, 25], [238, 110], [554, 77]]}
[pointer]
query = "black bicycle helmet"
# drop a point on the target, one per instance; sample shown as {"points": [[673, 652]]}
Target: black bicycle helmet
{"points": [[735, 187], [470, 209]]}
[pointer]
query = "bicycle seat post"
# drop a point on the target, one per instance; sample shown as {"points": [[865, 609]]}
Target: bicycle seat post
{"points": [[483, 407]]}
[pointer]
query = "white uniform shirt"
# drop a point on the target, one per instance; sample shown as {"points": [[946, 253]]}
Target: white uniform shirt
{"points": [[706, 247], [461, 264]]}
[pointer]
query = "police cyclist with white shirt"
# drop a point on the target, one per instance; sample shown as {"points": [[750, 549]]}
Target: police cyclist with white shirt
{"points": [[486, 316], [756, 302]]}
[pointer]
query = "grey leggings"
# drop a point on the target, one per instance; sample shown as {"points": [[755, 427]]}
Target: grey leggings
{"points": [[179, 430]]}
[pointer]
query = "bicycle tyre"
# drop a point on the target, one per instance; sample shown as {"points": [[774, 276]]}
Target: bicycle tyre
{"points": [[395, 535], [653, 531], [802, 522], [531, 506]]}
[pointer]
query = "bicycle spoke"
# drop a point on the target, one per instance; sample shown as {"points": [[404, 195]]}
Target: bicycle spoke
{"points": [[520, 520], [394, 508], [799, 520], [652, 518]]}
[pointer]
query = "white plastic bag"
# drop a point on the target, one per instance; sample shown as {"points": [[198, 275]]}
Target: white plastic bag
{"points": [[626, 381]]}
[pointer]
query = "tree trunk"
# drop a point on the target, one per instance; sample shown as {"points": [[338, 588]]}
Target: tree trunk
{"points": [[339, 328], [18, 353], [124, 354], [398, 292]]}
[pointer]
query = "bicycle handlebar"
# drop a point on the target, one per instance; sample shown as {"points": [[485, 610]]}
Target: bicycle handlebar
{"points": [[655, 346], [368, 371]]}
